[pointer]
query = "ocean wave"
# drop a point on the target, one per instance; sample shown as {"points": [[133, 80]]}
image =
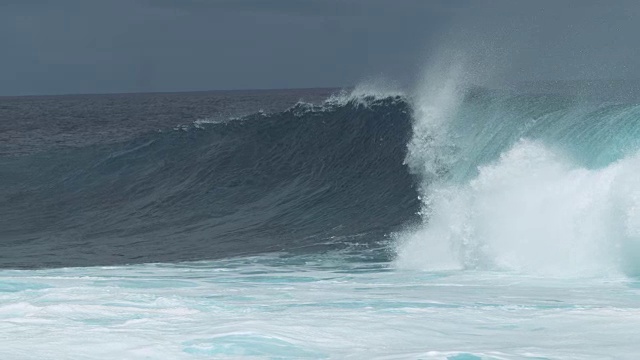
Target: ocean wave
{"points": [[541, 184], [284, 181], [349, 172]]}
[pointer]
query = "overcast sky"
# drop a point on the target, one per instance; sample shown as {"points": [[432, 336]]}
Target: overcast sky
{"points": [[86, 46]]}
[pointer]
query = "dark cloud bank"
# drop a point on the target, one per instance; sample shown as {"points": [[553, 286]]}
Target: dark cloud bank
{"points": [[72, 46]]}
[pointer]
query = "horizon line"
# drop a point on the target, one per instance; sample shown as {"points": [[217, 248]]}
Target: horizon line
{"points": [[176, 92]]}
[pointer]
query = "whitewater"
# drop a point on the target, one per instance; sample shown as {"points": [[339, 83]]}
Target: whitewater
{"points": [[321, 306], [455, 223]]}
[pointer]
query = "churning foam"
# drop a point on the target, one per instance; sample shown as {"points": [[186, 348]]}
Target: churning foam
{"points": [[533, 211]]}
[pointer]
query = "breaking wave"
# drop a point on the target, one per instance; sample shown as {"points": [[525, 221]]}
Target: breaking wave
{"points": [[453, 177], [541, 184]]}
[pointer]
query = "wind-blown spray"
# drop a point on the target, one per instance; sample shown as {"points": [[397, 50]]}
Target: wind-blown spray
{"points": [[552, 188]]}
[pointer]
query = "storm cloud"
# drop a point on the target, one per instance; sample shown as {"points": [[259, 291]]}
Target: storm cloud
{"points": [[72, 46]]}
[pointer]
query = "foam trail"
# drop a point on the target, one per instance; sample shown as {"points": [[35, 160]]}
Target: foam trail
{"points": [[533, 211]]}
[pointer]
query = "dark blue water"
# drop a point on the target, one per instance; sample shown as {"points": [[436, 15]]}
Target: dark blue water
{"points": [[113, 179]]}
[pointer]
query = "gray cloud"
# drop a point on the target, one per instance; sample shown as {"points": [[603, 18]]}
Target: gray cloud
{"points": [[73, 46]]}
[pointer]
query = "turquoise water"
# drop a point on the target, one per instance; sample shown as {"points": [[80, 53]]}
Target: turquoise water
{"points": [[329, 306]]}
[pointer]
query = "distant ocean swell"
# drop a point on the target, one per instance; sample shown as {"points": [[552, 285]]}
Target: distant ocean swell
{"points": [[458, 179]]}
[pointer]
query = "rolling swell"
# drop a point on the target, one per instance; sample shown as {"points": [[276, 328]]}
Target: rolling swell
{"points": [[306, 179]]}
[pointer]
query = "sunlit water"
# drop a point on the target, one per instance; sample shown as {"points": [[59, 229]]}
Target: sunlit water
{"points": [[312, 307]]}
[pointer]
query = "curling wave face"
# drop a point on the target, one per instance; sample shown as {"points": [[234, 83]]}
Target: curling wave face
{"points": [[305, 179]]}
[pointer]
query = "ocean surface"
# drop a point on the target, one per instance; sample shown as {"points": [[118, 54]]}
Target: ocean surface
{"points": [[452, 222]]}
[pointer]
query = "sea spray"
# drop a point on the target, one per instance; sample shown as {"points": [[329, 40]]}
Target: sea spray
{"points": [[530, 194]]}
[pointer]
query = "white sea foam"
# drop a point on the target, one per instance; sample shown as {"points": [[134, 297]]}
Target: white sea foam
{"points": [[309, 307], [533, 211]]}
